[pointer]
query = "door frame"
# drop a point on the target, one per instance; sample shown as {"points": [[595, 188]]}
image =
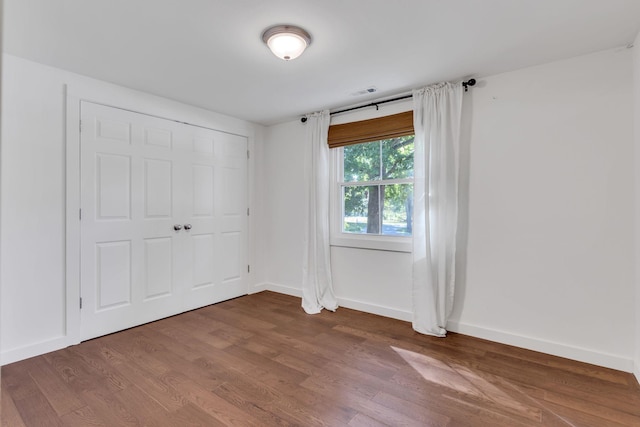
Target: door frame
{"points": [[142, 103]]}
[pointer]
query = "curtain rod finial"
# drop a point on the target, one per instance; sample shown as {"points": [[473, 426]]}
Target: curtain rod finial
{"points": [[470, 82]]}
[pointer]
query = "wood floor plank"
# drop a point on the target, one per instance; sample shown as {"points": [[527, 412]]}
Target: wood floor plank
{"points": [[59, 395], [78, 375], [627, 402], [16, 381], [9, 415], [360, 400], [83, 417], [191, 416], [305, 404], [591, 408], [154, 388], [294, 360], [579, 418], [137, 350], [241, 322], [472, 414], [35, 409], [362, 420], [261, 391], [285, 372], [149, 412], [111, 410], [331, 384], [210, 402], [260, 360], [312, 353], [260, 408], [419, 413]]}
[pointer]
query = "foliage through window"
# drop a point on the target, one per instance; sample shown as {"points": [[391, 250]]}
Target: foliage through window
{"points": [[377, 187]]}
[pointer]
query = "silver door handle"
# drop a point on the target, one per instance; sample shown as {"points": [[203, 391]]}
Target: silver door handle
{"points": [[187, 227], [178, 227]]}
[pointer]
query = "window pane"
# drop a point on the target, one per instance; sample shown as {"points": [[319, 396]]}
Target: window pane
{"points": [[362, 162], [398, 210], [361, 209], [397, 157]]}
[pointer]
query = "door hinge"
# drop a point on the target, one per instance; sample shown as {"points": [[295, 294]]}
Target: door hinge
{"points": [[79, 213], [80, 302], [248, 269], [247, 211], [80, 126], [248, 155]]}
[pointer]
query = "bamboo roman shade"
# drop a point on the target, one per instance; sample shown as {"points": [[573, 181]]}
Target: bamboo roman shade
{"points": [[385, 127]]}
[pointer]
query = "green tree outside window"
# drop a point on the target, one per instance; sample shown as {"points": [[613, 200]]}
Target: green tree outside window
{"points": [[378, 187]]}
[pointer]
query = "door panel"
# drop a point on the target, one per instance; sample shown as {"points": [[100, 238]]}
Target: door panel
{"points": [[158, 267], [233, 203], [202, 190], [203, 256], [113, 274], [113, 176], [232, 247], [140, 176], [158, 192], [158, 137], [203, 144], [113, 130]]}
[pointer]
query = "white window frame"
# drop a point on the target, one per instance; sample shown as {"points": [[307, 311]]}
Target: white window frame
{"points": [[355, 240]]}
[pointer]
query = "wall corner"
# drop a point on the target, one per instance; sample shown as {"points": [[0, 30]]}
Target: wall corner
{"points": [[636, 146]]}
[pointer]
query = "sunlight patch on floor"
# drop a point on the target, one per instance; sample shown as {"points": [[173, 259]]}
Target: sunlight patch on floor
{"points": [[471, 386]]}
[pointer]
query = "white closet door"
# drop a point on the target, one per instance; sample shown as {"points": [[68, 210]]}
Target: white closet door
{"points": [[142, 177], [217, 212]]}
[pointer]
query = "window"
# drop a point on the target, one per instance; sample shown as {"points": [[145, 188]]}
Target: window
{"points": [[377, 187], [373, 187]]}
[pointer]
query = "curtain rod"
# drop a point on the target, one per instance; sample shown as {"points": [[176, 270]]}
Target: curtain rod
{"points": [[470, 82]]}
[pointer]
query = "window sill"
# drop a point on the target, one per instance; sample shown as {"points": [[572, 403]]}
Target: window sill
{"points": [[379, 243]]}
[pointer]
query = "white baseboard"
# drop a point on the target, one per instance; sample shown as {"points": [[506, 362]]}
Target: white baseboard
{"points": [[553, 348], [636, 371], [380, 310], [32, 350], [346, 303], [281, 289], [259, 287]]}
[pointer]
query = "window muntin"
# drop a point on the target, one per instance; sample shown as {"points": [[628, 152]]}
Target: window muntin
{"points": [[376, 187]]}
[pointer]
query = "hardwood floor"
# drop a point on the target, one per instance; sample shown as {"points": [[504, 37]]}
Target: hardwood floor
{"points": [[260, 360]]}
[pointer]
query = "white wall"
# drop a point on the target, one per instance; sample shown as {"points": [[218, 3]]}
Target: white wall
{"points": [[283, 198], [33, 277], [636, 117], [550, 210], [549, 259]]}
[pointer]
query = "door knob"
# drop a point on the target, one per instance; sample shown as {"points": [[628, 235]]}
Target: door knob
{"points": [[187, 226], [178, 227]]}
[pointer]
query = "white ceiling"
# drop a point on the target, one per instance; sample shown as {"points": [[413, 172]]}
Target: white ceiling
{"points": [[209, 53]]}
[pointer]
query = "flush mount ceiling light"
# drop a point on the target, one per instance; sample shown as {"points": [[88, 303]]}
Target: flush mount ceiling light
{"points": [[286, 41]]}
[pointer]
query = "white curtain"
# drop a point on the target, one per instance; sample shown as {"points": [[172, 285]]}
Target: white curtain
{"points": [[317, 286], [436, 119]]}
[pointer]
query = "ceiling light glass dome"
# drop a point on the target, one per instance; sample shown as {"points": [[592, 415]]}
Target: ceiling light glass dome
{"points": [[286, 41]]}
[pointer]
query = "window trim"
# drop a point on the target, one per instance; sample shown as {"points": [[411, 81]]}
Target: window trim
{"points": [[356, 240]]}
